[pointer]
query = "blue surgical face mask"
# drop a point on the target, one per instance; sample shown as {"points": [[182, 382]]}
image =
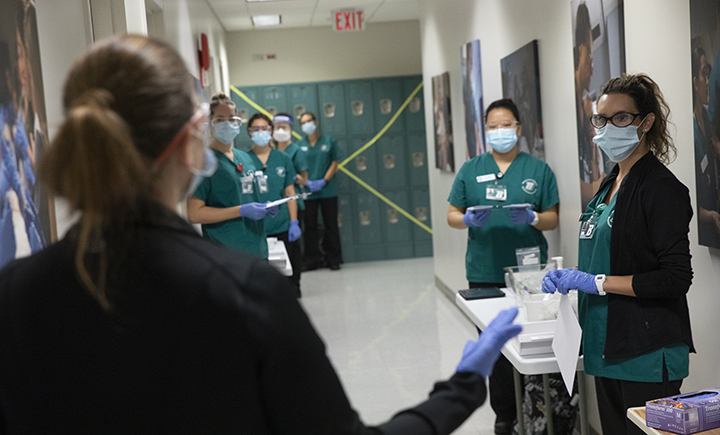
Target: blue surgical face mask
{"points": [[617, 142], [226, 131], [261, 138], [309, 128], [207, 171], [502, 139]]}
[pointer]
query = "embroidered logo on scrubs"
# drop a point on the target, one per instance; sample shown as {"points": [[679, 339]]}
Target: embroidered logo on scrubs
{"points": [[610, 218], [304, 148], [324, 148], [530, 186], [280, 170]]}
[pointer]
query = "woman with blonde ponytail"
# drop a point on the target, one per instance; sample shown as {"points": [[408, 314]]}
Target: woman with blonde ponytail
{"points": [[134, 324]]}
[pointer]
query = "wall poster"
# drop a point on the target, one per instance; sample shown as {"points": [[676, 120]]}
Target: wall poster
{"points": [[705, 60], [444, 157], [27, 214], [473, 99], [599, 55], [521, 83]]}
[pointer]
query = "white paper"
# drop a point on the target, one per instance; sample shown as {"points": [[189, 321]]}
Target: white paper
{"points": [[280, 201], [566, 343]]}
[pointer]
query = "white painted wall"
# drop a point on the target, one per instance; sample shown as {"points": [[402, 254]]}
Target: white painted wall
{"points": [[318, 54], [657, 43], [65, 31], [183, 21]]}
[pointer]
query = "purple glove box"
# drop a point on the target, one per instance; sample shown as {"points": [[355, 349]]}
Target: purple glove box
{"points": [[686, 413]]}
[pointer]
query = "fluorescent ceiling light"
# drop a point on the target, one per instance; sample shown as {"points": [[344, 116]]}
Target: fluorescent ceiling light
{"points": [[266, 20]]}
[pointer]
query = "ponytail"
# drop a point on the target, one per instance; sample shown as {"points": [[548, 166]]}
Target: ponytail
{"points": [[94, 164]]}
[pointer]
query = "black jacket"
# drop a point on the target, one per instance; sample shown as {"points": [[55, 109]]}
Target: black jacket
{"points": [[200, 340], [649, 240]]}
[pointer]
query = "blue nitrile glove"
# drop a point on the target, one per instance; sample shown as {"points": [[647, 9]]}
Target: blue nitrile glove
{"points": [[253, 210], [271, 211], [480, 356], [575, 279], [522, 216], [294, 232], [551, 279], [476, 218], [316, 185]]}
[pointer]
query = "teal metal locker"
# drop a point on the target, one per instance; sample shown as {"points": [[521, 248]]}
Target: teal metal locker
{"points": [[369, 245], [388, 99], [344, 182], [331, 100], [345, 224], [392, 161], [275, 99], [398, 229], [421, 211], [417, 160], [245, 111], [414, 113], [364, 165], [303, 98], [360, 107]]}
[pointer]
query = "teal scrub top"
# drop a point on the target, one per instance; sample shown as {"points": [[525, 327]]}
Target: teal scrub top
{"points": [[299, 160], [594, 258], [224, 189], [492, 247], [319, 158], [280, 174]]}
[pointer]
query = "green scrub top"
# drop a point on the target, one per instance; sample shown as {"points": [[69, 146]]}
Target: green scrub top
{"points": [[492, 247], [224, 189], [280, 174], [319, 158], [299, 160], [594, 258]]}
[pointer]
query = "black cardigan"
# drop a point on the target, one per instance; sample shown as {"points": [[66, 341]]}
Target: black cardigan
{"points": [[202, 340], [649, 240]]}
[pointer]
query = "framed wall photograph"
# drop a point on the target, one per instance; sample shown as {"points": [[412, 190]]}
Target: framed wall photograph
{"points": [[27, 213], [442, 116], [521, 83], [473, 99], [705, 61], [599, 55]]}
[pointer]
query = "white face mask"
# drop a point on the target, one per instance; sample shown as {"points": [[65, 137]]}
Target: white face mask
{"points": [[282, 135]]}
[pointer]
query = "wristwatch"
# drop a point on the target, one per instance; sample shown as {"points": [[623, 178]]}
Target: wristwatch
{"points": [[599, 281]]}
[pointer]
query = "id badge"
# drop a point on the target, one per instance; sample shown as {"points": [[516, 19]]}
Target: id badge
{"points": [[496, 193], [587, 231], [247, 184], [262, 184]]}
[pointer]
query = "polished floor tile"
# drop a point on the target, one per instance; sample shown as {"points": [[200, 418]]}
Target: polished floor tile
{"points": [[390, 335]]}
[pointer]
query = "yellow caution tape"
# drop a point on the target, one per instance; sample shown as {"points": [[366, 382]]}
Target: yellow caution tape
{"points": [[387, 126], [387, 201], [341, 166]]}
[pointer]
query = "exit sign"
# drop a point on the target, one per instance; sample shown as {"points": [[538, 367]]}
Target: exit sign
{"points": [[348, 20]]}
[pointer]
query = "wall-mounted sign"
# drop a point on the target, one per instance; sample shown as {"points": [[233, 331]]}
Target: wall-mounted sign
{"points": [[348, 20]]}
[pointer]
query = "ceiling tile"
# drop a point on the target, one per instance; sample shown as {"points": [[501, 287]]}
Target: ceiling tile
{"points": [[399, 10]]}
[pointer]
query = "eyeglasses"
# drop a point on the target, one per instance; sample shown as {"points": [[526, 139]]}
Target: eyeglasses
{"points": [[233, 120], [620, 119], [507, 124], [262, 128]]}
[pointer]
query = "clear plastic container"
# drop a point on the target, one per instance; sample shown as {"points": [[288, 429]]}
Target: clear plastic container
{"points": [[527, 286]]}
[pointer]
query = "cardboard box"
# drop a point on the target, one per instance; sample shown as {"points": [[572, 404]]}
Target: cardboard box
{"points": [[686, 413]]}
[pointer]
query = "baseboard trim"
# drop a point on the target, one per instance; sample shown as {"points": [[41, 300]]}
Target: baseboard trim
{"points": [[444, 289]]}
